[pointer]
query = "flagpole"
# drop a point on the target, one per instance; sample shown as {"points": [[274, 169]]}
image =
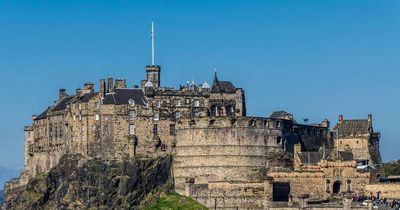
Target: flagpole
{"points": [[152, 43]]}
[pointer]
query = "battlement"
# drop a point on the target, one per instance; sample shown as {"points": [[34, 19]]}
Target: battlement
{"points": [[232, 122]]}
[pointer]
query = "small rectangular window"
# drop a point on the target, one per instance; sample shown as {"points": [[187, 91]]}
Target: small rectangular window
{"points": [[196, 103], [177, 102], [132, 115], [177, 115], [97, 117], [172, 129], [155, 129], [156, 116], [158, 104], [97, 105], [187, 101], [132, 129]]}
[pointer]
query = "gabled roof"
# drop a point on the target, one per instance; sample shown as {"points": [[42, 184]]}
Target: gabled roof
{"points": [[353, 127], [222, 86], [63, 103], [122, 96], [43, 115]]}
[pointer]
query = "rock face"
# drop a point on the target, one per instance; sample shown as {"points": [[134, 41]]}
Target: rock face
{"points": [[95, 184]]}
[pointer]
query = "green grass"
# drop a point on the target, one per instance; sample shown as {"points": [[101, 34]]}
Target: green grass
{"points": [[174, 201]]}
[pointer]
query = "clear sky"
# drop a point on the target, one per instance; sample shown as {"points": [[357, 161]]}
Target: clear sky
{"points": [[315, 59]]}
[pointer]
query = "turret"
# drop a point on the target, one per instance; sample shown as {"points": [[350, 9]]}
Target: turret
{"points": [[153, 75]]}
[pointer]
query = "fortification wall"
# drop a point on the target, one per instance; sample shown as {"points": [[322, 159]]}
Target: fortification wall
{"points": [[222, 148], [386, 190]]}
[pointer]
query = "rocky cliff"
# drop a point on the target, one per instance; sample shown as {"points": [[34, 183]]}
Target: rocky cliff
{"points": [[77, 183]]}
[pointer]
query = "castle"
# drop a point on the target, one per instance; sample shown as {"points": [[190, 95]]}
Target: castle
{"points": [[221, 157]]}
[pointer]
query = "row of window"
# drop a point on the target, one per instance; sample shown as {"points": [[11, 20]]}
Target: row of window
{"points": [[177, 102]]}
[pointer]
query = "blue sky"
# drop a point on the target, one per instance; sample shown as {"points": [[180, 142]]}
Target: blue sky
{"points": [[315, 59]]}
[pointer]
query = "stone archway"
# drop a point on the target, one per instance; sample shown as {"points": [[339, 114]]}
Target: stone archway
{"points": [[336, 187]]}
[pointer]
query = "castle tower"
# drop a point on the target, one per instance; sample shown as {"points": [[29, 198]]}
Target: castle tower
{"points": [[153, 70], [153, 75]]}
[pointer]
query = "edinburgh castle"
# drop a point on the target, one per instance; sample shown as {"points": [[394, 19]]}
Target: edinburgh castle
{"points": [[222, 158]]}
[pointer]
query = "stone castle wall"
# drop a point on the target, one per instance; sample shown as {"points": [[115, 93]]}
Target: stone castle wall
{"points": [[218, 149], [385, 190]]}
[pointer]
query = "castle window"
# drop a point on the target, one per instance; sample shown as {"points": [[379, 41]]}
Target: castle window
{"points": [[97, 105], [79, 106], [97, 117], [187, 101], [73, 117], [196, 103], [172, 129], [156, 116], [132, 129], [348, 182], [132, 115], [177, 115], [327, 186], [155, 129], [278, 140], [158, 104], [177, 102]]}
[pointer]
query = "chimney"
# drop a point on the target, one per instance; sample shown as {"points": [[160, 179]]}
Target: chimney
{"points": [[120, 83], [79, 92], [102, 87], [325, 123], [110, 86], [340, 118], [62, 93], [370, 119], [89, 87]]}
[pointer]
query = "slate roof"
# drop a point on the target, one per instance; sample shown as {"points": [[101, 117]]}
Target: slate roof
{"points": [[122, 96], [222, 86], [43, 115], [353, 127], [63, 103]]}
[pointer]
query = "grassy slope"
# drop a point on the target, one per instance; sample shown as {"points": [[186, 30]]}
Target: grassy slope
{"points": [[174, 201]]}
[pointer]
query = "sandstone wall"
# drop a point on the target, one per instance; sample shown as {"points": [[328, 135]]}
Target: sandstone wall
{"points": [[387, 190], [220, 149]]}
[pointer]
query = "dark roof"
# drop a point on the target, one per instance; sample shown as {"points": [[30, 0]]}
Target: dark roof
{"points": [[353, 127], [222, 86], [43, 115], [281, 115], [122, 96], [87, 97], [63, 103]]}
